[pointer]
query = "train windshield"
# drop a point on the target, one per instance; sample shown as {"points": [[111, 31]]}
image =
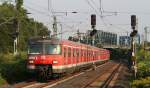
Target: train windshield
{"points": [[45, 49], [52, 49], [35, 49]]}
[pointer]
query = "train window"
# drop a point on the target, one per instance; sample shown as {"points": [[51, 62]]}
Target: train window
{"points": [[64, 52], [36, 49], [77, 52], [69, 52], [85, 54], [82, 53], [52, 49], [74, 52]]}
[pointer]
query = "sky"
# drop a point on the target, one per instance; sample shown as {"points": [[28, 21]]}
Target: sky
{"points": [[114, 18]]}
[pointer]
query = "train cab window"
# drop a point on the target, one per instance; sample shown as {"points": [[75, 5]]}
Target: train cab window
{"points": [[36, 49], [52, 49]]}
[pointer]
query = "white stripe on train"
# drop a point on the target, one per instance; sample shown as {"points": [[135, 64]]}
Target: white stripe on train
{"points": [[74, 65]]}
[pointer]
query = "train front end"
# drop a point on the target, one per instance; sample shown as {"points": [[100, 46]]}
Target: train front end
{"points": [[42, 56]]}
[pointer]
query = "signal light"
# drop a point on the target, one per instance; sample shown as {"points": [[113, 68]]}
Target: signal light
{"points": [[132, 34], [93, 32], [93, 19], [133, 20]]}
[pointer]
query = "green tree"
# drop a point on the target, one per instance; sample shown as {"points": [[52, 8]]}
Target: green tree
{"points": [[8, 26]]}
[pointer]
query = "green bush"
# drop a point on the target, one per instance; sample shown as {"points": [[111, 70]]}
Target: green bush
{"points": [[13, 68], [142, 83], [2, 81], [143, 74], [143, 58], [143, 69]]}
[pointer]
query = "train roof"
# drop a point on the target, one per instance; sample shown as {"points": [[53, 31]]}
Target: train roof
{"points": [[44, 40], [59, 41]]}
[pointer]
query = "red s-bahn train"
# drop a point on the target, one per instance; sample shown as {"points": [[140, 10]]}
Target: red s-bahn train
{"points": [[47, 56]]}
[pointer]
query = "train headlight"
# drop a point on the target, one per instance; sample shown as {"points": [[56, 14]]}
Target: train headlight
{"points": [[55, 62], [31, 61]]}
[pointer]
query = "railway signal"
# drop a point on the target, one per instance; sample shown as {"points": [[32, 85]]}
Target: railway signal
{"points": [[133, 25], [93, 32], [133, 45], [133, 33], [15, 34], [133, 20], [93, 20], [93, 24]]}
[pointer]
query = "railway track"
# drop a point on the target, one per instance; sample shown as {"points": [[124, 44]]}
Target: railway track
{"points": [[86, 79], [110, 78], [103, 80]]}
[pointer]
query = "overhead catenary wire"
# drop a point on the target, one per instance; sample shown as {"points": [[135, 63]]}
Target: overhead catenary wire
{"points": [[37, 11], [64, 32], [125, 12], [101, 10], [97, 12], [50, 8], [36, 5]]}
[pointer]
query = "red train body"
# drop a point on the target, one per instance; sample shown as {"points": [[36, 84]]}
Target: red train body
{"points": [[50, 56]]}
